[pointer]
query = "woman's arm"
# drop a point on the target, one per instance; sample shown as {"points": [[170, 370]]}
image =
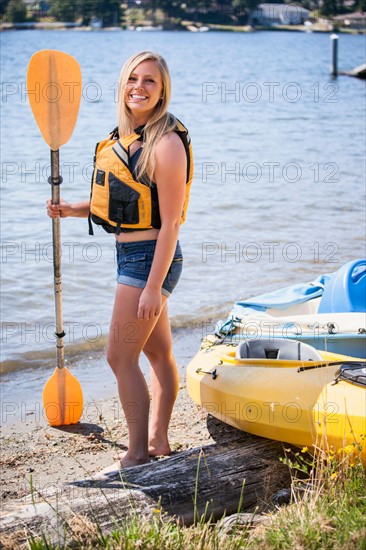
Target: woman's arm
{"points": [[170, 177], [65, 209]]}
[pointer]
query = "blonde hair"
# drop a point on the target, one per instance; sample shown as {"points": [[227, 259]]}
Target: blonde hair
{"points": [[160, 123]]}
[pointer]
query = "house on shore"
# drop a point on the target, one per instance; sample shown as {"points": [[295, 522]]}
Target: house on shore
{"points": [[356, 21], [278, 14]]}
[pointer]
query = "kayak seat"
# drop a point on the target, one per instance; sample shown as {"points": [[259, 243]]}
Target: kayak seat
{"points": [[277, 348], [346, 290], [355, 374]]}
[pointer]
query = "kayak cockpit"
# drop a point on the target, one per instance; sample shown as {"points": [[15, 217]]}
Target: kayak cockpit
{"points": [[277, 349]]}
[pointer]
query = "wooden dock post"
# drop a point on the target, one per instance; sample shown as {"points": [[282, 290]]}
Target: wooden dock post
{"points": [[334, 55]]}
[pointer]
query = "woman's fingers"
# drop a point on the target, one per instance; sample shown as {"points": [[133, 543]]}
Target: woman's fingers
{"points": [[56, 210], [146, 313], [53, 210], [149, 305]]}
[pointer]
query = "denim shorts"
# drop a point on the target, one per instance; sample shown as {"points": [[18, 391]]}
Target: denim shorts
{"points": [[134, 262]]}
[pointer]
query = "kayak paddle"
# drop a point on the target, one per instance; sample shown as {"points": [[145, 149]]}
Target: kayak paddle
{"points": [[54, 90]]}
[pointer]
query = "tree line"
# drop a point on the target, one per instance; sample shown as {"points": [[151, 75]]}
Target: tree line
{"points": [[115, 12]]}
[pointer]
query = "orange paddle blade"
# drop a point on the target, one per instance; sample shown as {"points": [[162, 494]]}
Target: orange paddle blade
{"points": [[62, 398], [54, 91]]}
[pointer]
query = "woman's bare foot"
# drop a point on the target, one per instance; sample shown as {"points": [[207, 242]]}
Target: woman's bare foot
{"points": [[127, 460], [159, 448], [156, 448]]}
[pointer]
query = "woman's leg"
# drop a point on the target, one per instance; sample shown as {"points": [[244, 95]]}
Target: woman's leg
{"points": [[127, 337], [164, 383]]}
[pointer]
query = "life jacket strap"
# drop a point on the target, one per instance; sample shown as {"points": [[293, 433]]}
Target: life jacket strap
{"points": [[121, 153], [91, 232], [120, 218]]}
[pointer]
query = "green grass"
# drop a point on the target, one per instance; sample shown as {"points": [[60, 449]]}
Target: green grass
{"points": [[329, 516], [329, 505], [155, 534], [328, 511]]}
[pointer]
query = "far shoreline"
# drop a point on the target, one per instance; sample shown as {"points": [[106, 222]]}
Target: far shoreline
{"points": [[69, 26]]}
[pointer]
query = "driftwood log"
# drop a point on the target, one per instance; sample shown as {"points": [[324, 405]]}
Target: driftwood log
{"points": [[208, 480]]}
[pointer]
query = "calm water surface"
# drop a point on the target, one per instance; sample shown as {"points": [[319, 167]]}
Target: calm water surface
{"points": [[278, 195]]}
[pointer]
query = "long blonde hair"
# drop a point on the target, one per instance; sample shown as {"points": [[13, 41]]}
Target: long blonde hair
{"points": [[161, 122]]}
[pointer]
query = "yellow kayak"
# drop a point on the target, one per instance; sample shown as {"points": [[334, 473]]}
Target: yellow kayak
{"points": [[283, 390]]}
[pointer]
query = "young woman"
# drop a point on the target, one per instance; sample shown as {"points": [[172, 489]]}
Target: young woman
{"points": [[140, 192]]}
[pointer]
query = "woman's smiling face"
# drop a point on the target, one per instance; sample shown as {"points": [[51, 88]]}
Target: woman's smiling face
{"points": [[143, 90]]}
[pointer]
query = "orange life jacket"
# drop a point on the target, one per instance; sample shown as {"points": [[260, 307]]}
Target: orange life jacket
{"points": [[118, 201]]}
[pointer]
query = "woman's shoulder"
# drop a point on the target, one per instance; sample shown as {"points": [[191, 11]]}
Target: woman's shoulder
{"points": [[170, 148], [169, 144]]}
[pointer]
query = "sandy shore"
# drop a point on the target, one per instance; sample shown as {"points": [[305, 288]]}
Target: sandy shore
{"points": [[37, 454], [33, 453]]}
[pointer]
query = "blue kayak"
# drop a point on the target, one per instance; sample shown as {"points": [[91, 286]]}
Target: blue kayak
{"points": [[327, 313]]}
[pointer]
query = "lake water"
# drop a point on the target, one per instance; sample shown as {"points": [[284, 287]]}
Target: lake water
{"points": [[278, 194]]}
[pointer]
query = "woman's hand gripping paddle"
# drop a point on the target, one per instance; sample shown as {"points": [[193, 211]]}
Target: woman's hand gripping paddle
{"points": [[54, 89]]}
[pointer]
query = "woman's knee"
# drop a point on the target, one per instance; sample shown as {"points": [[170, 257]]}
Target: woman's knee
{"points": [[160, 356], [112, 360], [119, 360]]}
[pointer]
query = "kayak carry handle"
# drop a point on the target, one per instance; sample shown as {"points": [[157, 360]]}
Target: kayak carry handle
{"points": [[213, 373]]}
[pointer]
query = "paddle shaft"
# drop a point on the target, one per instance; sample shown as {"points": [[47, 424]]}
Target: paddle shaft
{"points": [[55, 182]]}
